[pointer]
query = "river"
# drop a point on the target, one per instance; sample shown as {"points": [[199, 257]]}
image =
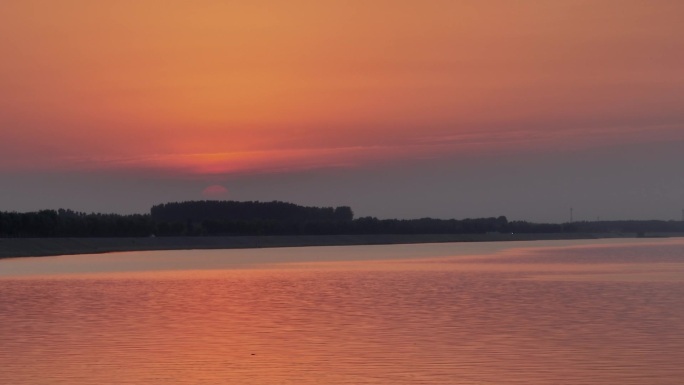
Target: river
{"points": [[551, 312]]}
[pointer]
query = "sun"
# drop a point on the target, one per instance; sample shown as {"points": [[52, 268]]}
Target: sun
{"points": [[215, 191]]}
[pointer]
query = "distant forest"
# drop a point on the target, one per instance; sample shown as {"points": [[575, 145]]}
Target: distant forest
{"points": [[220, 218]]}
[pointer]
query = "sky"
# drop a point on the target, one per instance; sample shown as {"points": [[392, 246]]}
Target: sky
{"points": [[399, 109]]}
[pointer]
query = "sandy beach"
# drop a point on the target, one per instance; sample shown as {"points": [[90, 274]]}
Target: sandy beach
{"points": [[35, 247]]}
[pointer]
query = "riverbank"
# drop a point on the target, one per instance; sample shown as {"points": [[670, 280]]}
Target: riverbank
{"points": [[36, 247]]}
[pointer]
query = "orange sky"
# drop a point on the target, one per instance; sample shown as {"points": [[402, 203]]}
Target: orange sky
{"points": [[397, 108], [224, 87]]}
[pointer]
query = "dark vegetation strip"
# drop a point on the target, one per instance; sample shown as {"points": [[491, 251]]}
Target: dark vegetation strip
{"points": [[230, 218]]}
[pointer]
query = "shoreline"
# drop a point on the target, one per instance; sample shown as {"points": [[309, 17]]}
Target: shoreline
{"points": [[43, 247]]}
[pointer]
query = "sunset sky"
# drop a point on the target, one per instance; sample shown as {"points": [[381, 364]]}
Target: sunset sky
{"points": [[398, 108]]}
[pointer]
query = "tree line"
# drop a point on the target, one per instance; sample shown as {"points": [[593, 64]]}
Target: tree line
{"points": [[217, 218], [68, 223], [247, 211]]}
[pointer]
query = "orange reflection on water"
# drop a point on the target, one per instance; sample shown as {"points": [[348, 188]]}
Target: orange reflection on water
{"points": [[500, 317]]}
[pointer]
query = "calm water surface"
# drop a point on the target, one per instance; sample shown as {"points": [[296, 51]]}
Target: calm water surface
{"points": [[570, 312]]}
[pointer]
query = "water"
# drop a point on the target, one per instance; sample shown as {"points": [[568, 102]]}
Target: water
{"points": [[572, 312]]}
